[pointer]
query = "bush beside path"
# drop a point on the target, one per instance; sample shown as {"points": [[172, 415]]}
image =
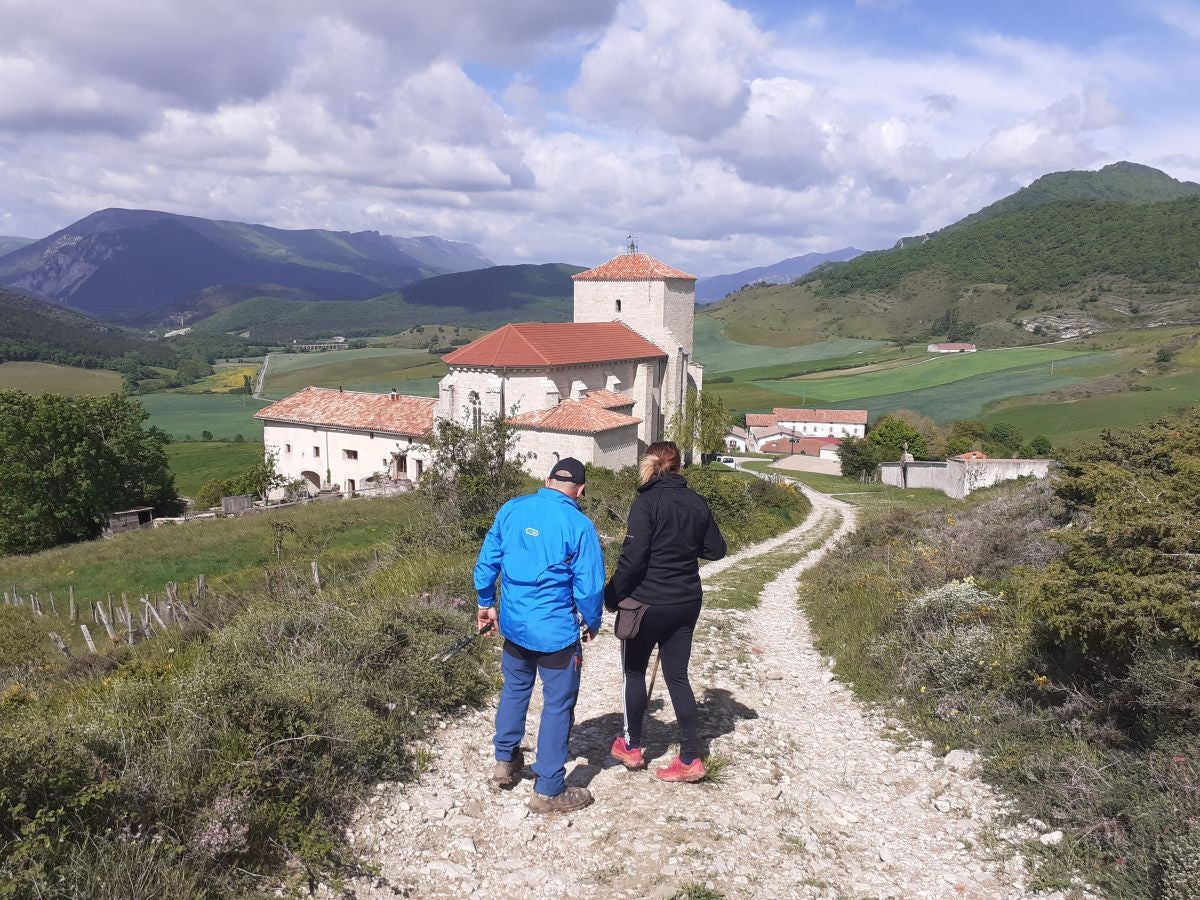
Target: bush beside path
{"points": [[808, 798]]}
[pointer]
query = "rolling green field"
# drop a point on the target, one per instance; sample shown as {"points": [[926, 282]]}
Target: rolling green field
{"points": [[225, 415], [194, 463], [35, 377], [1080, 421], [226, 551], [372, 369], [718, 354]]}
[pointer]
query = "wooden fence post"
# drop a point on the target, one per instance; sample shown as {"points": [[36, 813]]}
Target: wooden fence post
{"points": [[106, 622], [201, 589], [87, 638], [60, 644], [72, 613], [53, 606], [154, 612], [316, 575]]}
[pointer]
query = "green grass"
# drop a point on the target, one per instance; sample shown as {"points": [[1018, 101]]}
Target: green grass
{"points": [[225, 415], [231, 551], [194, 463], [35, 377], [739, 586], [934, 372], [1081, 421], [719, 354], [372, 369]]}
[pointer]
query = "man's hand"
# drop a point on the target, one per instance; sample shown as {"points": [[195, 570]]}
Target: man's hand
{"points": [[588, 636], [484, 616]]}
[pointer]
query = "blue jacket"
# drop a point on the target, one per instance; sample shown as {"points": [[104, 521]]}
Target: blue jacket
{"points": [[551, 562]]}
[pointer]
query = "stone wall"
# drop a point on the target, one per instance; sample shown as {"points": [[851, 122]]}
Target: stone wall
{"points": [[957, 478], [612, 449]]}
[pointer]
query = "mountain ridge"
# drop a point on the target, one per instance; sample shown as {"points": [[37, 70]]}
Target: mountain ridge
{"points": [[120, 264], [713, 287]]}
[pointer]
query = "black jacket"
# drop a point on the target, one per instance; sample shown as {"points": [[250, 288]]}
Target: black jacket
{"points": [[670, 525]]}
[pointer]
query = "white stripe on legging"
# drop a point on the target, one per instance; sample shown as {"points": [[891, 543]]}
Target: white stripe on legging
{"points": [[624, 693]]}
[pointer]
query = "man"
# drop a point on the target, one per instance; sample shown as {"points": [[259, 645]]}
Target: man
{"points": [[552, 577]]}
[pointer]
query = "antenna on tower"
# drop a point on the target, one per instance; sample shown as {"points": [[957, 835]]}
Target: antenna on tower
{"points": [[630, 244]]}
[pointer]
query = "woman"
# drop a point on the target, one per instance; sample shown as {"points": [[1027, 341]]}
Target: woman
{"points": [[656, 590]]}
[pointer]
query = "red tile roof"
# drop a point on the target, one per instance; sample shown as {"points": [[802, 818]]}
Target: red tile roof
{"points": [[830, 416], [760, 419], [575, 417], [954, 347], [390, 413], [536, 344], [802, 446], [972, 454], [633, 267], [608, 399]]}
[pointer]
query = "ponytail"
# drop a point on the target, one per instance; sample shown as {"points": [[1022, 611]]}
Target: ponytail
{"points": [[661, 458]]}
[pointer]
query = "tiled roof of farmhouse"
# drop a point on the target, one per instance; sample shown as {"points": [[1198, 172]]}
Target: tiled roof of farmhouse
{"points": [[535, 344], [633, 267], [831, 416], [390, 413], [760, 419], [577, 417], [954, 346], [608, 399]]}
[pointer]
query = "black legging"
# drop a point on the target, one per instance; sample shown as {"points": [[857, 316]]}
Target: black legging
{"points": [[670, 629]]}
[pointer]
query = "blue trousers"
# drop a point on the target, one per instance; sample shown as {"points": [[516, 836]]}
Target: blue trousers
{"points": [[559, 672]]}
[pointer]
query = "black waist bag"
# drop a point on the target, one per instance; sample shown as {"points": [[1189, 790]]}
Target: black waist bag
{"points": [[629, 618]]}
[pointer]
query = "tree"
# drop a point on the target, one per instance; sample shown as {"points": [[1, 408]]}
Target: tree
{"points": [[934, 435], [890, 435], [472, 474], [858, 457], [66, 464], [206, 435], [1036, 447], [1128, 577], [1003, 439], [701, 423]]}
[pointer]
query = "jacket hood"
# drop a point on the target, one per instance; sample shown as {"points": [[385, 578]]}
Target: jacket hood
{"points": [[669, 480]]}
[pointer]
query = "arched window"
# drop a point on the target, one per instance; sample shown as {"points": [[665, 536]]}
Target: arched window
{"points": [[476, 410], [618, 306]]}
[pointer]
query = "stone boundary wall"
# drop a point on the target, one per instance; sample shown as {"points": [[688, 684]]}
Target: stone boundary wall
{"points": [[959, 477]]}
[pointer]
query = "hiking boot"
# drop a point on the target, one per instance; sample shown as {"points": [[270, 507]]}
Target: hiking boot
{"points": [[677, 771], [571, 799], [506, 773], [630, 757]]}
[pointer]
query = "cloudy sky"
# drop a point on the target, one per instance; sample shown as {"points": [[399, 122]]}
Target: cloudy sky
{"points": [[723, 134]]}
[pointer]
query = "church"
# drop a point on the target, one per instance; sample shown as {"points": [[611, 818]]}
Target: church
{"points": [[599, 388]]}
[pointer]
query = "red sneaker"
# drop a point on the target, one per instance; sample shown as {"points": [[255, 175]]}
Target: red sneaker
{"points": [[631, 757], [677, 771]]}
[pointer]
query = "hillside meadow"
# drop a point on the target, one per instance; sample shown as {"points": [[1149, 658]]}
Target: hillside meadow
{"points": [[35, 377], [185, 416], [376, 369], [195, 462]]}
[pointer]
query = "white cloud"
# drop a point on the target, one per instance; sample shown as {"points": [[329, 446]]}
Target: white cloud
{"points": [[677, 66], [719, 144]]}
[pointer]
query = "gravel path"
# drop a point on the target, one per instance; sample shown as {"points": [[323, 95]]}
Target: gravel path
{"points": [[811, 801]]}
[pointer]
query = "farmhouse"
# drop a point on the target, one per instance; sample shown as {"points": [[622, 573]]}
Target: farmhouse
{"points": [[599, 388], [787, 430], [335, 440], [951, 348]]}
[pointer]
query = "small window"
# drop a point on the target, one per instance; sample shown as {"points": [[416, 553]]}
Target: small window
{"points": [[350, 454], [618, 306], [287, 448], [316, 451]]}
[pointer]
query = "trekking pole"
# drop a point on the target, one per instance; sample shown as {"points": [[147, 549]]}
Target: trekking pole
{"points": [[653, 677], [459, 646]]}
